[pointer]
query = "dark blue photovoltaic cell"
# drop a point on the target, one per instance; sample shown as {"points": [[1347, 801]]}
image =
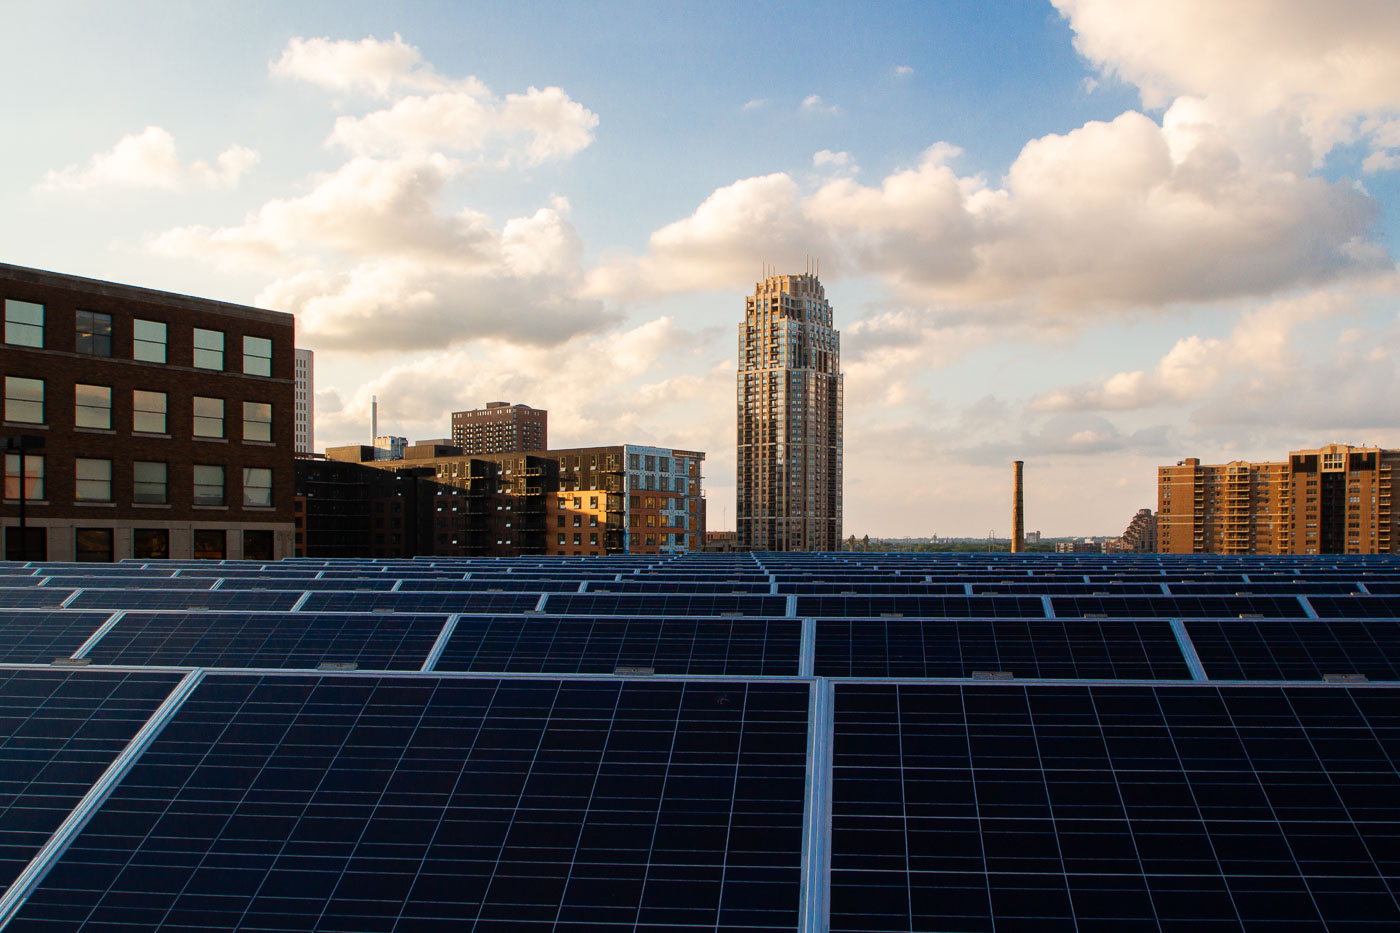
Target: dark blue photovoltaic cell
{"points": [[394, 641], [551, 645], [1071, 807], [37, 636], [247, 601], [421, 602], [489, 586], [926, 607], [1120, 649], [1307, 649], [358, 803], [59, 730]]}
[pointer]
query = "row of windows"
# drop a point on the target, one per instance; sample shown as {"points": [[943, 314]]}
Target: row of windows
{"points": [[97, 544], [92, 482], [92, 408], [24, 327]]}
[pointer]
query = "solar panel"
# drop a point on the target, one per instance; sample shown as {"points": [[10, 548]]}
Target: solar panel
{"points": [[37, 637], [1178, 607], [37, 597], [362, 803], [421, 602], [1123, 649], [604, 604], [1304, 650], [1068, 807], [59, 730], [1356, 607], [927, 607], [294, 639], [670, 645], [244, 600]]}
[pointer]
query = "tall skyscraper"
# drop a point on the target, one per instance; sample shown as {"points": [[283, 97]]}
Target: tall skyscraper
{"points": [[789, 419]]}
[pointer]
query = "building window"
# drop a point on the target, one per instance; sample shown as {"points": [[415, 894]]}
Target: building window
{"points": [[257, 544], [148, 341], [210, 543], [24, 400], [257, 356], [593, 538], [94, 335], [92, 480], [148, 411], [24, 323], [92, 406], [150, 543], [148, 482], [33, 476], [561, 537], [257, 487], [578, 538], [93, 545], [208, 484], [208, 417], [208, 349], [592, 502], [257, 421]]}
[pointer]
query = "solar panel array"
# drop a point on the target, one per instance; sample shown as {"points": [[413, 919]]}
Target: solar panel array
{"points": [[845, 742]]}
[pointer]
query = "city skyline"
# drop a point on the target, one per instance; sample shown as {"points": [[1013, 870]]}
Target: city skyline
{"points": [[1083, 235]]}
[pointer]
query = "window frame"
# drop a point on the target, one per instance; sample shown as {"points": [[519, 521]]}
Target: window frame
{"points": [[267, 425], [100, 341], [140, 345], [263, 501], [137, 411], [206, 419], [16, 327], [196, 485], [31, 484], [249, 355], [100, 415], [202, 354], [137, 482], [12, 397], [92, 488]]}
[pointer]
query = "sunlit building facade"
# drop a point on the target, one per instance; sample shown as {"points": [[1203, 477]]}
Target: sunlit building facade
{"points": [[789, 406]]}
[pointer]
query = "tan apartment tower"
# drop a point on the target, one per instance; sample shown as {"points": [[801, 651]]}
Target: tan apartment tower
{"points": [[1328, 500], [789, 403], [1018, 507]]}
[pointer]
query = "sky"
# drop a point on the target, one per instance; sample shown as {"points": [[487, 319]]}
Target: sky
{"points": [[1094, 235]]}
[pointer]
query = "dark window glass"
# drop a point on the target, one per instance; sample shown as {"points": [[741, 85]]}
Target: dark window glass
{"points": [[94, 335], [93, 545]]}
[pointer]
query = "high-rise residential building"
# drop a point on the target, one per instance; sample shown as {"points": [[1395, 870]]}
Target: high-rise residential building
{"points": [[789, 419], [1331, 500], [305, 400], [155, 425], [1140, 537], [500, 428]]}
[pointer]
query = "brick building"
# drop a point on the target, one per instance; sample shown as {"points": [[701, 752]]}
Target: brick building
{"points": [[1330, 500], [500, 427], [579, 502], [166, 422]]}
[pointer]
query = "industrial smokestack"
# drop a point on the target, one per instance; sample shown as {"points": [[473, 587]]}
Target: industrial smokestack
{"points": [[1018, 508], [373, 420]]}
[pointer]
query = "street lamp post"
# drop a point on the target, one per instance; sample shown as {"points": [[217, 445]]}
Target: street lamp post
{"points": [[21, 443]]}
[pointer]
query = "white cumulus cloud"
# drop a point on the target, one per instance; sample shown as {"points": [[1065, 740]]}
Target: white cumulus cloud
{"points": [[149, 160]]}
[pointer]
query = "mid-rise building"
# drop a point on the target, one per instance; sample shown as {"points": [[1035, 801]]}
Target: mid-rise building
{"points": [[499, 428], [1330, 500], [584, 501], [1140, 537], [390, 447], [305, 400], [789, 406], [156, 425]]}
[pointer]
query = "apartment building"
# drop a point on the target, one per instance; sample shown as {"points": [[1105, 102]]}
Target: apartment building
{"points": [[500, 427], [153, 424], [585, 501], [1329, 500], [789, 411], [305, 401]]}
